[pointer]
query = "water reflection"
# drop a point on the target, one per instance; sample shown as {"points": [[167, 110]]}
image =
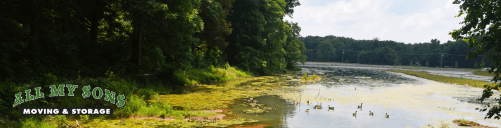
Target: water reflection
{"points": [[275, 117], [343, 116]]}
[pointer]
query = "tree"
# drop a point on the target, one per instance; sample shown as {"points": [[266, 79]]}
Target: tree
{"points": [[386, 56], [456, 64], [216, 28], [482, 65], [326, 52], [419, 52], [365, 57], [481, 30], [294, 48], [311, 54], [435, 58], [258, 42], [475, 66], [336, 43], [289, 8]]}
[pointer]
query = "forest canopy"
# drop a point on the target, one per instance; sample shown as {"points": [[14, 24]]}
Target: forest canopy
{"points": [[80, 38]]}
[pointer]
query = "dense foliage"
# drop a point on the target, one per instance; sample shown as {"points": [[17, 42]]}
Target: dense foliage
{"points": [[482, 32], [388, 52], [173, 43], [261, 41], [80, 38]]}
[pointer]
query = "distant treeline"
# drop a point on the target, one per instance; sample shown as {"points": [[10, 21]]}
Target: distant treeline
{"points": [[375, 51]]}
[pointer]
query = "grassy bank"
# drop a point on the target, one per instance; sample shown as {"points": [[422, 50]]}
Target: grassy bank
{"points": [[211, 74], [138, 91], [480, 72], [475, 71], [452, 80]]}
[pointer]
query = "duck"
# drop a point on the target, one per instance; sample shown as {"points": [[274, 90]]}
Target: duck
{"points": [[308, 101], [355, 88], [355, 114], [331, 108], [387, 116], [307, 110], [360, 106], [318, 106], [371, 113]]}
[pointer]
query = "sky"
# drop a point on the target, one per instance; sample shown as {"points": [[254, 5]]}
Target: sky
{"points": [[407, 21]]}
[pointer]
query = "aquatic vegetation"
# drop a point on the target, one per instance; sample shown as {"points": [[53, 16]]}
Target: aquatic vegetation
{"points": [[463, 122], [215, 99], [140, 123], [305, 76], [313, 77], [475, 71], [452, 80], [138, 107], [255, 110], [210, 97]]}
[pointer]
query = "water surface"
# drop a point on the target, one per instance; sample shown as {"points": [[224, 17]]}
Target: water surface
{"points": [[409, 101]]}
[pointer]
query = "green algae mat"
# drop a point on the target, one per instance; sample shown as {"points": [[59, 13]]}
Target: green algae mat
{"points": [[202, 97], [210, 97]]}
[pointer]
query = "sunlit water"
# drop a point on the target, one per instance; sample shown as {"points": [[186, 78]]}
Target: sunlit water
{"points": [[409, 101]]}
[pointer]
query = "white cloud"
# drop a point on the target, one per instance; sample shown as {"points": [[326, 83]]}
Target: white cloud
{"points": [[395, 20]]}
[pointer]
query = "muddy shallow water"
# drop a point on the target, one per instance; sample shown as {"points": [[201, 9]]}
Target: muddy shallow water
{"points": [[409, 101]]}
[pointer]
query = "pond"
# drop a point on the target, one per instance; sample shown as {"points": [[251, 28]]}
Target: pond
{"points": [[409, 101]]}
